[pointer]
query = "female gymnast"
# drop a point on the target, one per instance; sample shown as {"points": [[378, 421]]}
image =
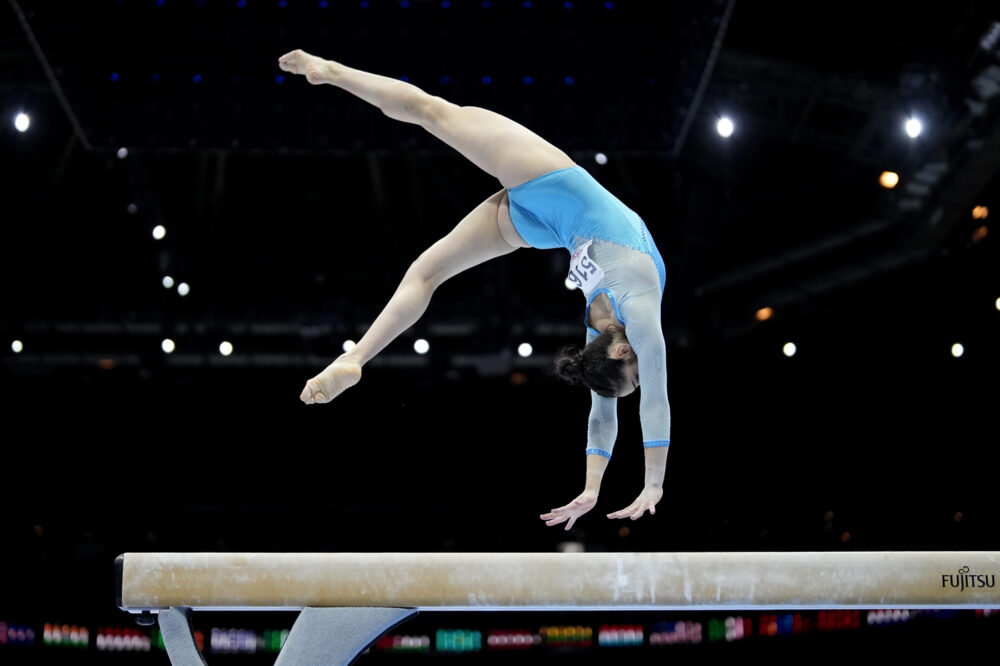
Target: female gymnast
{"points": [[547, 201]]}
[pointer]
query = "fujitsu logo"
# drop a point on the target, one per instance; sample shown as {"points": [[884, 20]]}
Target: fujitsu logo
{"points": [[965, 580]]}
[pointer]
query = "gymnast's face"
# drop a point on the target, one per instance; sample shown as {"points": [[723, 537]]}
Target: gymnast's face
{"points": [[620, 348]]}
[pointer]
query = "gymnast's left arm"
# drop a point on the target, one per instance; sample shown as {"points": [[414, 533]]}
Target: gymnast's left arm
{"points": [[643, 329]]}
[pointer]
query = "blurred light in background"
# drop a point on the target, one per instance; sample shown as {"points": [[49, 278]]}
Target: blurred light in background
{"points": [[957, 350], [168, 282], [601, 158], [725, 127], [421, 346], [889, 179], [122, 153], [524, 350], [159, 232], [913, 128], [168, 346], [183, 289], [132, 209], [348, 345], [980, 234], [764, 314], [789, 349], [980, 213], [17, 347], [226, 348], [22, 122]]}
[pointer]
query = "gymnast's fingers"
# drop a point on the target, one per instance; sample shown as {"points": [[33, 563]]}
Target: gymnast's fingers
{"points": [[626, 512], [556, 513], [563, 509]]}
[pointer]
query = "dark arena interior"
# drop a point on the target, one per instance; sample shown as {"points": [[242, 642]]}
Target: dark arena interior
{"points": [[190, 233]]}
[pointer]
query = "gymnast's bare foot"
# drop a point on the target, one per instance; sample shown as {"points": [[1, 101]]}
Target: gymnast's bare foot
{"points": [[316, 70], [334, 380]]}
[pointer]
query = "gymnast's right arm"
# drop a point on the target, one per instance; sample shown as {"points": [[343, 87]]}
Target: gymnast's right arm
{"points": [[602, 430]]}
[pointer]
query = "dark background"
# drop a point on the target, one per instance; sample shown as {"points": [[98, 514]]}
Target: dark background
{"points": [[293, 211]]}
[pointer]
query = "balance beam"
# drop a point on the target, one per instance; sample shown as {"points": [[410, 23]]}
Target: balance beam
{"points": [[338, 589]]}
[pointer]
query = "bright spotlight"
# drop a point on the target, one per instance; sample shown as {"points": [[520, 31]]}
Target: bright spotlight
{"points": [[22, 122], [957, 350], [226, 348], [997, 304], [913, 128], [601, 158], [789, 349], [421, 346], [17, 347], [889, 179], [122, 153], [168, 346], [168, 282], [524, 350], [349, 345], [159, 232], [725, 127], [183, 289]]}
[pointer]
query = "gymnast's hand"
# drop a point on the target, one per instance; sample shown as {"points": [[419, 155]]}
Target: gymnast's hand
{"points": [[586, 501], [646, 501]]}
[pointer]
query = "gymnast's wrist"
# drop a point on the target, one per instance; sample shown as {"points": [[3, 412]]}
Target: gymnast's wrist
{"points": [[593, 483]]}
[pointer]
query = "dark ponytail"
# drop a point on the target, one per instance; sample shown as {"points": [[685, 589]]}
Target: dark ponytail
{"points": [[569, 365], [591, 366]]}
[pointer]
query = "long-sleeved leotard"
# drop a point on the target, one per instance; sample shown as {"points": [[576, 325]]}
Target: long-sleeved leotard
{"points": [[612, 253]]}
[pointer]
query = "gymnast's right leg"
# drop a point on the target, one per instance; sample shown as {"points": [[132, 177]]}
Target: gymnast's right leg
{"points": [[508, 151]]}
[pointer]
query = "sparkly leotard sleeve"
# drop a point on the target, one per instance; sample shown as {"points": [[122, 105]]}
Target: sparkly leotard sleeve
{"points": [[568, 208], [632, 286]]}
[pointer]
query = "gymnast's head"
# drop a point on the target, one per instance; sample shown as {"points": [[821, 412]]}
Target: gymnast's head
{"points": [[607, 366]]}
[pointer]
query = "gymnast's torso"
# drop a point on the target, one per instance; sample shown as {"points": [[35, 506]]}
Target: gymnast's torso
{"points": [[612, 254]]}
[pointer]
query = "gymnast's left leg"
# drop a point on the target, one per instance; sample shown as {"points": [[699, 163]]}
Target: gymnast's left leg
{"points": [[477, 238]]}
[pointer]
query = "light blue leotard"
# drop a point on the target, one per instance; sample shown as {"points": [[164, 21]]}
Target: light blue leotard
{"points": [[567, 208]]}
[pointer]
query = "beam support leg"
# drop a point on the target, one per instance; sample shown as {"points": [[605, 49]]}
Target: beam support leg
{"points": [[322, 636], [319, 637], [178, 637]]}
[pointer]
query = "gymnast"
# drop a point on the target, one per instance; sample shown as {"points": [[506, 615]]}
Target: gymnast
{"points": [[547, 201]]}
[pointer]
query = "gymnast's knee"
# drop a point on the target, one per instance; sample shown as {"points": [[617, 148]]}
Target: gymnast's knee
{"points": [[433, 111], [424, 272]]}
